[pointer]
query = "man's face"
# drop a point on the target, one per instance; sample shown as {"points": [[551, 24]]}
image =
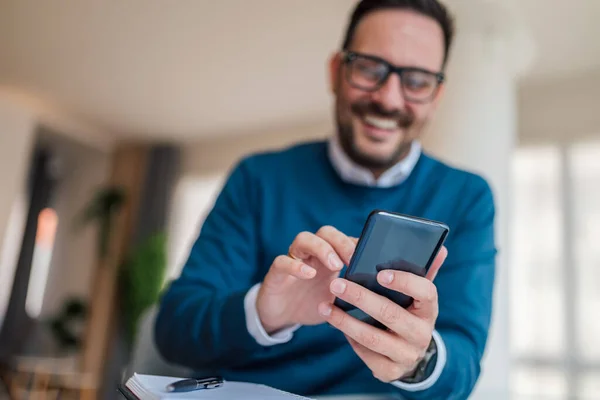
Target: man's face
{"points": [[377, 127]]}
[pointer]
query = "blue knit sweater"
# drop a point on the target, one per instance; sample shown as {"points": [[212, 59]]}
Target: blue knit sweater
{"points": [[267, 200]]}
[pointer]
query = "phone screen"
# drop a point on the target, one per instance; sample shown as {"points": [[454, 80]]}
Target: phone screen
{"points": [[393, 241]]}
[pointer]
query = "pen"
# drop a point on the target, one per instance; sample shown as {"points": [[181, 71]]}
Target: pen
{"points": [[188, 385]]}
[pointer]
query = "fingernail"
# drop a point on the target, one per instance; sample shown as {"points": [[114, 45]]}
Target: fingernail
{"points": [[386, 277], [335, 262], [308, 271], [325, 309], [338, 286]]}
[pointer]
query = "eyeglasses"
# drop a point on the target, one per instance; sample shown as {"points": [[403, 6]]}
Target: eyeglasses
{"points": [[369, 73]]}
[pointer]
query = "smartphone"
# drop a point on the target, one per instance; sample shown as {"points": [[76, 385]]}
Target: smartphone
{"points": [[392, 241]]}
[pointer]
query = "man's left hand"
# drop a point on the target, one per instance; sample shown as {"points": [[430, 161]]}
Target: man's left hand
{"points": [[395, 353]]}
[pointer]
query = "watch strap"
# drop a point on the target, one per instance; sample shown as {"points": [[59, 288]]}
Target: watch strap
{"points": [[425, 367]]}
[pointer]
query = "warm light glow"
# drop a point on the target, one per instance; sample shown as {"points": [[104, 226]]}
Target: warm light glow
{"points": [[40, 266]]}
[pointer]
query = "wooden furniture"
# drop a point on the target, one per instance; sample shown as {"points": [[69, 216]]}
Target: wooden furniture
{"points": [[36, 378], [129, 167]]}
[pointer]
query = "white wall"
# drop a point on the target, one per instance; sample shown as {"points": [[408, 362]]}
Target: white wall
{"points": [[193, 198], [16, 138], [561, 110], [217, 155]]}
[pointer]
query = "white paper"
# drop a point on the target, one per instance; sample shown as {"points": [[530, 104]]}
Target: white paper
{"points": [[154, 387]]}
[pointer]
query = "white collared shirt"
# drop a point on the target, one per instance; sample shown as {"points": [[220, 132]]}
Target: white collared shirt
{"points": [[349, 171], [352, 173]]}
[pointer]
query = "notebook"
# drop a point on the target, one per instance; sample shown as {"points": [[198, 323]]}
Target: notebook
{"points": [[151, 387]]}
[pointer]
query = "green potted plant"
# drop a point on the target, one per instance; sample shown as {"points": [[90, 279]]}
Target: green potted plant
{"points": [[141, 280]]}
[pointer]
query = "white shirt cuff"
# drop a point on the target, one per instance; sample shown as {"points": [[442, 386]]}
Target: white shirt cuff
{"points": [[255, 328], [437, 371]]}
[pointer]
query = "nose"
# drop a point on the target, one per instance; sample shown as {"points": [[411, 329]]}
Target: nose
{"points": [[390, 94]]}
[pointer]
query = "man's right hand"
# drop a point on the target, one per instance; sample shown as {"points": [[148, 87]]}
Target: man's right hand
{"points": [[298, 282]]}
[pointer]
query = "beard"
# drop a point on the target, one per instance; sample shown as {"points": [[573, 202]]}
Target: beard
{"points": [[346, 134]]}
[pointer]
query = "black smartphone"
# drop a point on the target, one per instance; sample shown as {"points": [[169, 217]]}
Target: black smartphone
{"points": [[392, 241]]}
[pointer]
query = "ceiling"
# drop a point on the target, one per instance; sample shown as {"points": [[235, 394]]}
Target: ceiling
{"points": [[194, 68]]}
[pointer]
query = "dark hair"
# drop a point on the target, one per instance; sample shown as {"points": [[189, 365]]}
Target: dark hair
{"points": [[430, 8]]}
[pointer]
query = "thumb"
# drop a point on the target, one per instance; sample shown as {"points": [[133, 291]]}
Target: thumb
{"points": [[437, 263]]}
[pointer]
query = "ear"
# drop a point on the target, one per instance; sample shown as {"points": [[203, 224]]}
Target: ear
{"points": [[335, 62]]}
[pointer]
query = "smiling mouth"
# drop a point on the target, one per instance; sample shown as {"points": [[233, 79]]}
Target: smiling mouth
{"points": [[386, 124]]}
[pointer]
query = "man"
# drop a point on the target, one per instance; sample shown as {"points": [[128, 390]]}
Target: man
{"points": [[254, 301]]}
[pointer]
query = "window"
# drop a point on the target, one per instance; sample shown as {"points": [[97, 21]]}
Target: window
{"points": [[555, 271], [193, 199], [584, 165]]}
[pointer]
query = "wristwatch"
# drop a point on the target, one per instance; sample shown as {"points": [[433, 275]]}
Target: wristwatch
{"points": [[425, 367]]}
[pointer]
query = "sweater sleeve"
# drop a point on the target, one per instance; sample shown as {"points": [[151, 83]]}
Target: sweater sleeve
{"points": [[201, 322], [465, 288]]}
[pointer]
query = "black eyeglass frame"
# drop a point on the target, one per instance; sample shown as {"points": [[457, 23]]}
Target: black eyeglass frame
{"points": [[349, 56]]}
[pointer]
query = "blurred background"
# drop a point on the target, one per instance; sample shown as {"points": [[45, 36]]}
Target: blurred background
{"points": [[119, 121]]}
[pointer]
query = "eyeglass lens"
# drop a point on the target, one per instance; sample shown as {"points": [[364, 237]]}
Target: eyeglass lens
{"points": [[369, 74]]}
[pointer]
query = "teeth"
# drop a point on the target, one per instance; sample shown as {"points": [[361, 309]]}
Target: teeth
{"points": [[381, 123]]}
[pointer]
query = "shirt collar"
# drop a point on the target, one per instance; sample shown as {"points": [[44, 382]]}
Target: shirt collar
{"points": [[351, 172]]}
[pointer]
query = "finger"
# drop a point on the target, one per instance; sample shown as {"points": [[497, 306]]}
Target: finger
{"points": [[414, 330], [437, 263], [382, 367], [342, 244], [285, 267], [374, 339], [308, 244], [422, 290]]}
